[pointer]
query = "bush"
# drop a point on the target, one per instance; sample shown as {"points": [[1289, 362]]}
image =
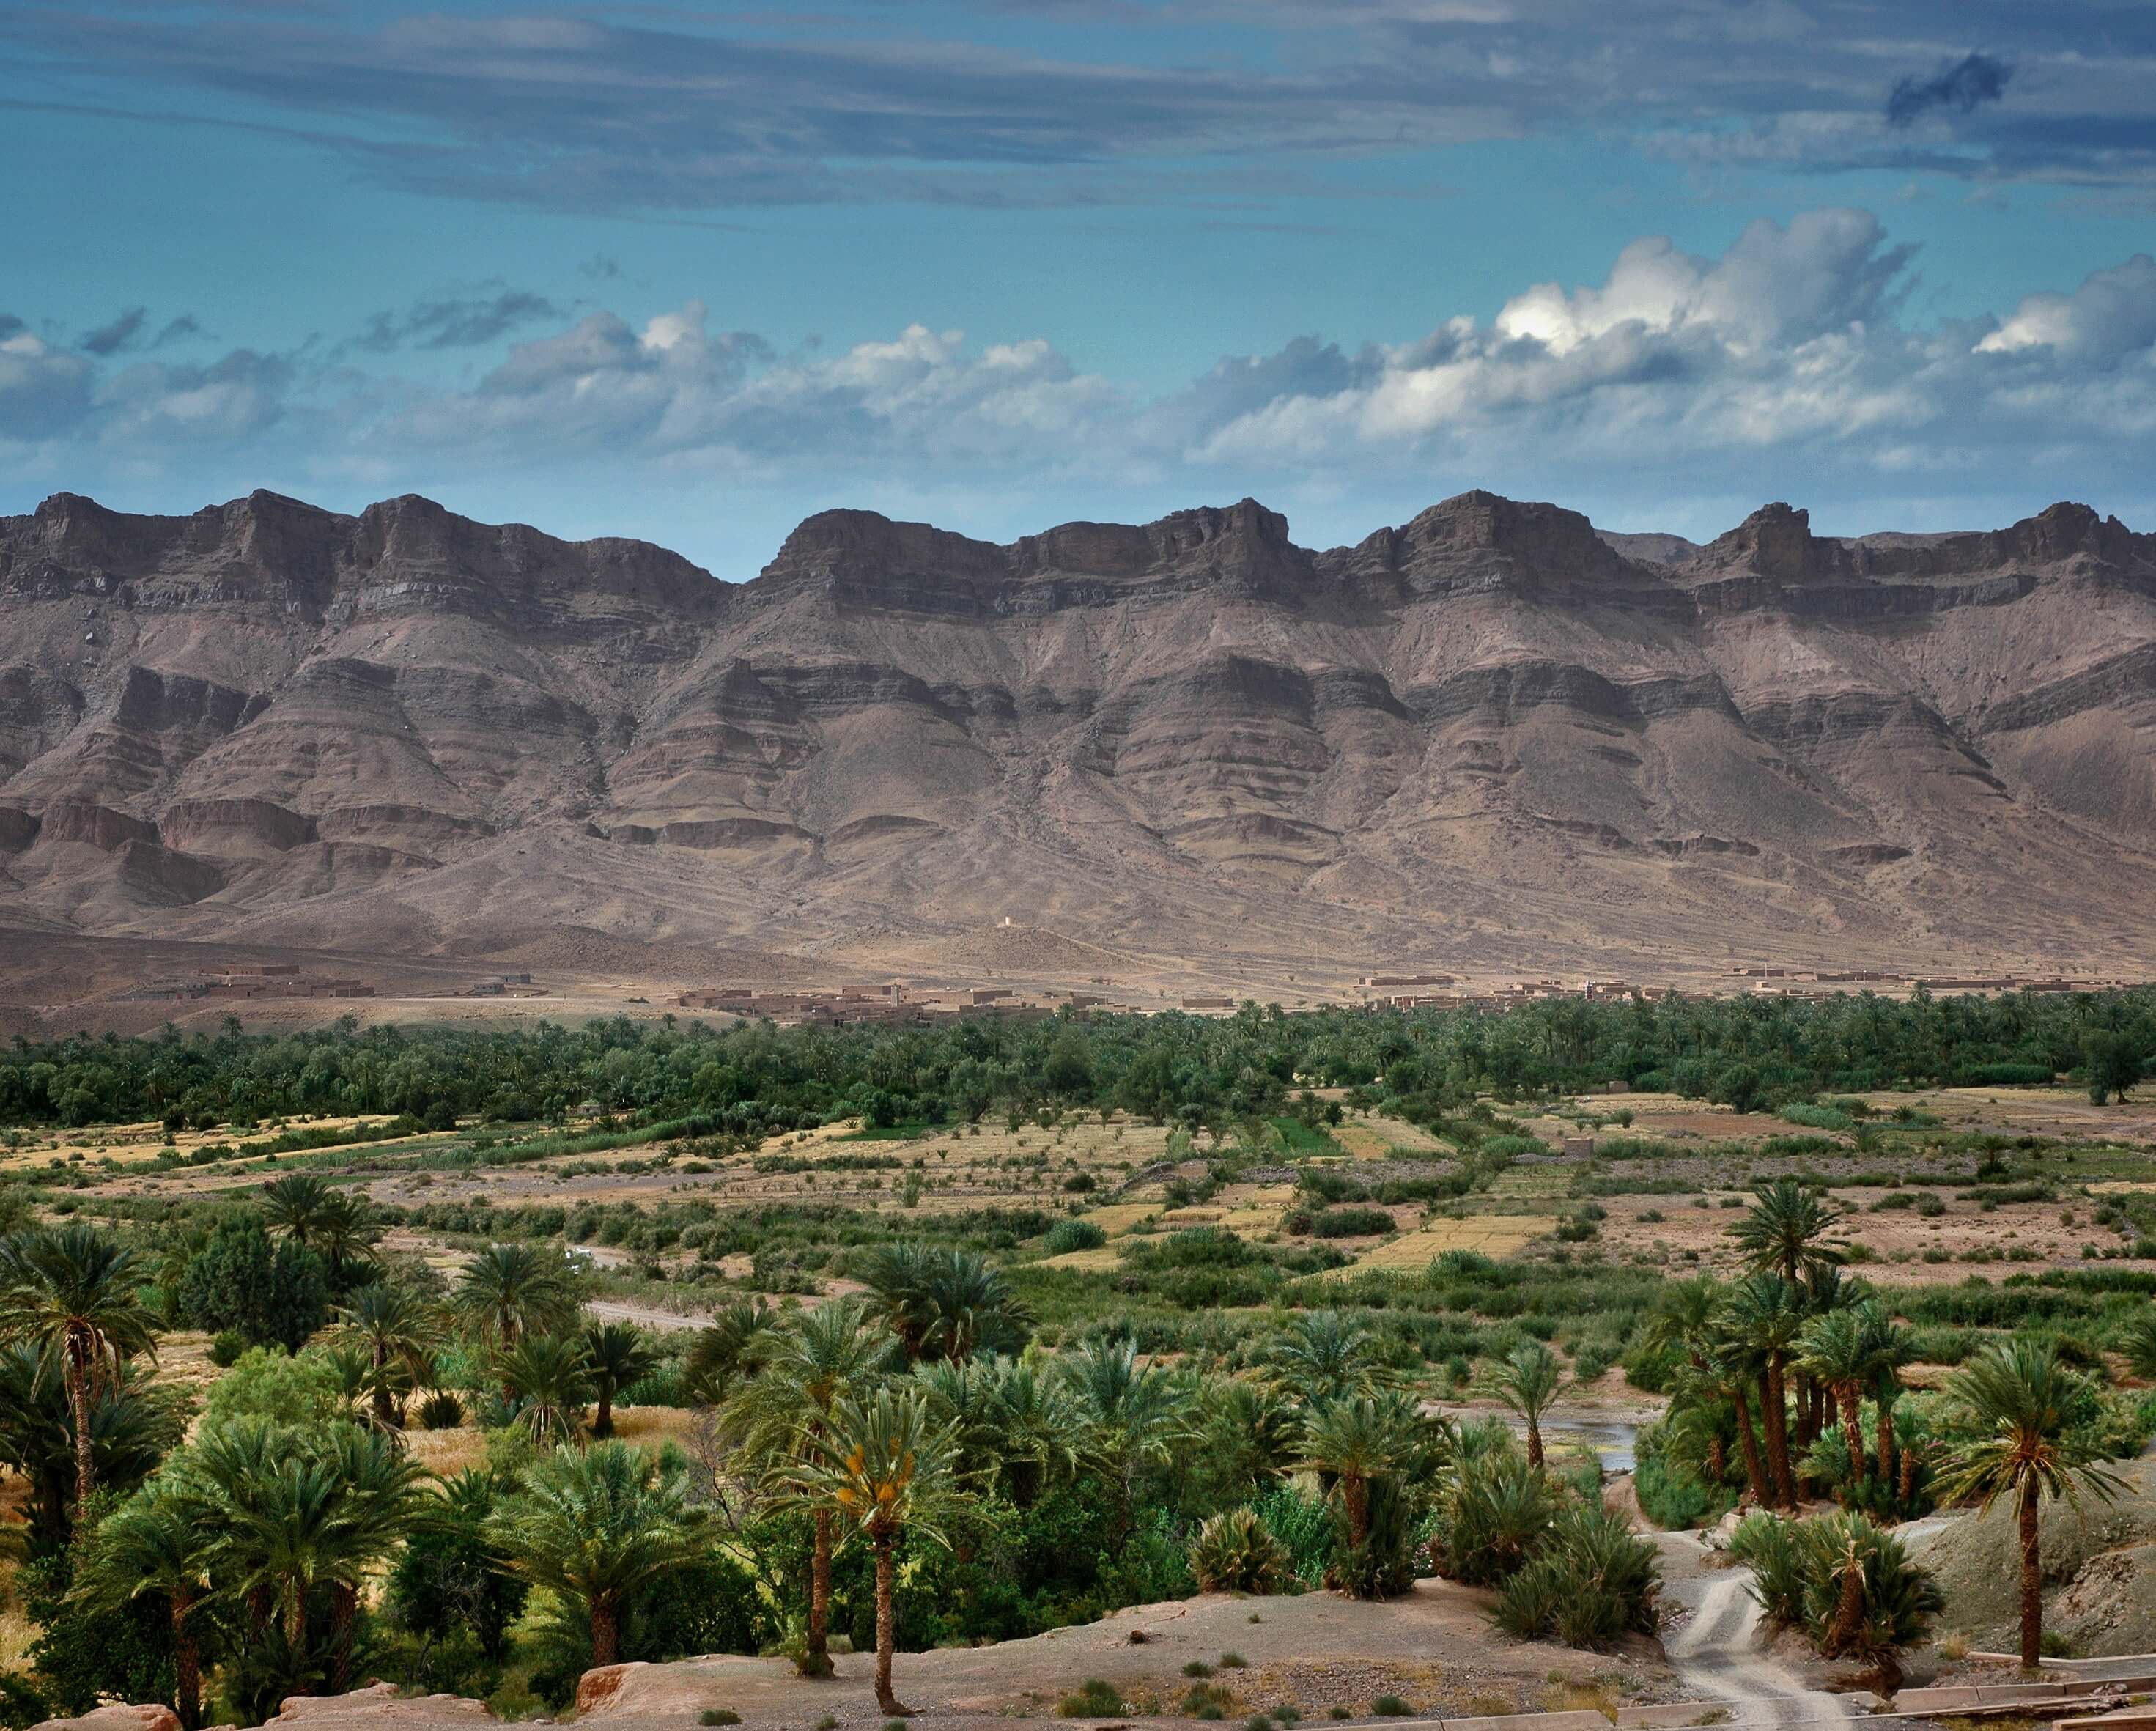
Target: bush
{"points": [[1801, 1569], [1067, 1235], [273, 1295], [441, 1411], [1496, 1514], [1303, 1526], [1235, 1552], [1383, 1565], [1592, 1580], [1095, 1698], [224, 1350], [718, 1716]]}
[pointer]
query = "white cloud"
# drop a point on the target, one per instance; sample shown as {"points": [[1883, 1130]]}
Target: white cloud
{"points": [[2110, 316]]}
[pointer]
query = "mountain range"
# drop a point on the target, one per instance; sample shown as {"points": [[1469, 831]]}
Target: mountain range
{"points": [[1492, 739]]}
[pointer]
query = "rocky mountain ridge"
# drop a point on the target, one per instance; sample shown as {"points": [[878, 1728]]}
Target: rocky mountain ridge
{"points": [[1492, 736]]}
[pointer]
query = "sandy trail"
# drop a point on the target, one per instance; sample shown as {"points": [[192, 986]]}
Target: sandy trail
{"points": [[1718, 1655]]}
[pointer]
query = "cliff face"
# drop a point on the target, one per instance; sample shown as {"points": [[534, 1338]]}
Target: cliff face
{"points": [[1491, 733]]}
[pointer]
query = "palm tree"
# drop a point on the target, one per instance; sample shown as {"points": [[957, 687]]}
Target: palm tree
{"points": [[617, 1354], [1324, 1355], [1765, 1315], [1525, 1380], [397, 1330], [512, 1290], [297, 1205], [159, 1541], [1840, 1350], [552, 1374], [344, 1230], [1136, 1415], [1785, 1232], [1891, 1348], [72, 1293], [381, 1496], [133, 1424], [597, 1526], [2018, 1396], [884, 1468], [945, 1303], [1352, 1440], [1246, 1435], [733, 1345], [834, 1353], [288, 1534], [2139, 1344]]}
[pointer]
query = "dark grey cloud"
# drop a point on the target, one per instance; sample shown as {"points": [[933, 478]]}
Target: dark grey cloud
{"points": [[119, 334], [665, 111], [1960, 87], [178, 330], [457, 322]]}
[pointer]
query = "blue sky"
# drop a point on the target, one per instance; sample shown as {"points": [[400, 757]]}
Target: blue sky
{"points": [[691, 272]]}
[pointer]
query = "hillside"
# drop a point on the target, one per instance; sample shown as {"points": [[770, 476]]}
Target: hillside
{"points": [[1491, 739]]}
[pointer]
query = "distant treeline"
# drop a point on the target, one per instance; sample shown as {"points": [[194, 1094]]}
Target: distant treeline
{"points": [[754, 1078], [758, 1078]]}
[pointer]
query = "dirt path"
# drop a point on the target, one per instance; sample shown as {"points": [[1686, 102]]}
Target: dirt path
{"points": [[644, 1316], [1718, 1656]]}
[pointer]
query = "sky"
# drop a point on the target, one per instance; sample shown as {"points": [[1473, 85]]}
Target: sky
{"points": [[693, 272]]}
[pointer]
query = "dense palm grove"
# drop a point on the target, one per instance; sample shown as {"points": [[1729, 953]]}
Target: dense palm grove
{"points": [[974, 1447], [755, 1078]]}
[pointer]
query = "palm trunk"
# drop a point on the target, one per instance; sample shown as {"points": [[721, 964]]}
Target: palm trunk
{"points": [[186, 1666], [1534, 1443], [1718, 1458], [1849, 1617], [820, 1598], [1852, 1431], [602, 1420], [295, 1623], [2032, 1578], [606, 1632], [1355, 1494], [886, 1632], [1884, 1401], [1748, 1445], [1774, 1417], [1908, 1468], [78, 1390], [345, 1620], [382, 1411]]}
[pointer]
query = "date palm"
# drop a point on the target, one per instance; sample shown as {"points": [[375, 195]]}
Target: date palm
{"points": [[1135, 1416], [617, 1355], [72, 1294], [381, 1496], [1787, 1230], [397, 1330], [730, 1348], [596, 1526], [945, 1303], [298, 1206], [1840, 1350], [1353, 1440], [884, 1468], [2019, 1397], [1525, 1380], [552, 1374], [509, 1290], [1766, 1314], [160, 1541], [1324, 1355], [835, 1353]]}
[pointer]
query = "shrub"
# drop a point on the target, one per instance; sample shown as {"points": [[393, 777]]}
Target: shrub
{"points": [[1392, 1706], [1497, 1511], [1093, 1699], [1383, 1564], [1592, 1580], [718, 1716], [441, 1411], [1067, 1235], [1235, 1552], [224, 1350], [1807, 1571]]}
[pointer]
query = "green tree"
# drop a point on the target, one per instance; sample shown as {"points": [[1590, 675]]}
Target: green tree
{"points": [[2020, 1400], [2112, 1060], [835, 1353], [1327, 1355], [1841, 1350], [1352, 1441], [551, 1376], [616, 1355], [72, 1294], [275, 1294], [596, 1526], [945, 1303], [397, 1330], [1764, 1317], [884, 1467], [1788, 1230], [509, 1290], [1525, 1380], [160, 1541]]}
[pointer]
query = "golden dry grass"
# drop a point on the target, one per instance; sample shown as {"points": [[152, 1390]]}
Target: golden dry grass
{"points": [[1493, 1235], [1117, 1218], [1100, 1257]]}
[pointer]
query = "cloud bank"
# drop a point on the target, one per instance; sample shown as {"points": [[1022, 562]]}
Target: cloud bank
{"points": [[1788, 362]]}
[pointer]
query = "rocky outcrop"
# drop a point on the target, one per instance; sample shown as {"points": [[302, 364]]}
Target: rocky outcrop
{"points": [[403, 728]]}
